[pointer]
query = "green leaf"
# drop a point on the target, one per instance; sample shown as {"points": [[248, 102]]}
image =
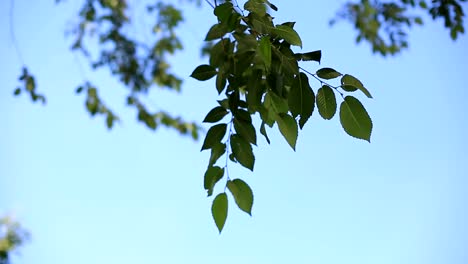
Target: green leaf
{"points": [[216, 31], [215, 115], [328, 73], [350, 83], [219, 210], [264, 133], [264, 49], [217, 151], [355, 119], [220, 82], [204, 72], [212, 176], [223, 11], [288, 34], [214, 135], [301, 99], [326, 102], [242, 194], [17, 92], [242, 151], [309, 56], [256, 6], [288, 128], [246, 130]]}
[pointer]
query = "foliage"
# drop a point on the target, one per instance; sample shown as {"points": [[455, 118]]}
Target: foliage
{"points": [[12, 236], [385, 24], [256, 69]]}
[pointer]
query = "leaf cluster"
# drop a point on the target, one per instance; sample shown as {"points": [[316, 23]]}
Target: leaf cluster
{"points": [[256, 71]]}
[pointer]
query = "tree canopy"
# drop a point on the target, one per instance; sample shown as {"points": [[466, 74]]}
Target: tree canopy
{"points": [[257, 70]]}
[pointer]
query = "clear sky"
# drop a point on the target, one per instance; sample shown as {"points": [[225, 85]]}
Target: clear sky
{"points": [[130, 195]]}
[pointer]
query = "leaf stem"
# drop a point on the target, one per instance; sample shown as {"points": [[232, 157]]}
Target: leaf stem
{"points": [[322, 82]]}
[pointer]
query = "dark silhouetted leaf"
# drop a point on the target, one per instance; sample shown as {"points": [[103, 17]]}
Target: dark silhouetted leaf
{"points": [[309, 56], [301, 99], [216, 152], [264, 133], [214, 135], [246, 130], [215, 115], [203, 72], [242, 151]]}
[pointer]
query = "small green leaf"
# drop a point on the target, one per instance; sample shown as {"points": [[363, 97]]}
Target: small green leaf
{"points": [[328, 73], [355, 119], [256, 6], [216, 31], [246, 130], [264, 133], [215, 115], [214, 135], [288, 34], [288, 128], [219, 210], [204, 72], [264, 49], [350, 83], [326, 102], [223, 11], [272, 6], [17, 92], [242, 151], [217, 151], [212, 176], [242, 194]]}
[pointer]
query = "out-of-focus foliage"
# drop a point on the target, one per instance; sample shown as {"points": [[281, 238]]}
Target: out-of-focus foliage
{"points": [[385, 24], [12, 236]]}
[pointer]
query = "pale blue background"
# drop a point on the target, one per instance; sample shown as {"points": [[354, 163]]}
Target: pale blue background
{"points": [[129, 195]]}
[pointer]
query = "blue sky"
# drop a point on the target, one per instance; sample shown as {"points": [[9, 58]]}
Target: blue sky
{"points": [[130, 195]]}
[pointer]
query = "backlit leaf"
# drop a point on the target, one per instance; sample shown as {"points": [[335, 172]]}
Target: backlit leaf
{"points": [[264, 49], [212, 176], [355, 119], [219, 210], [328, 73], [326, 102], [242, 194], [288, 128], [350, 83], [288, 34]]}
